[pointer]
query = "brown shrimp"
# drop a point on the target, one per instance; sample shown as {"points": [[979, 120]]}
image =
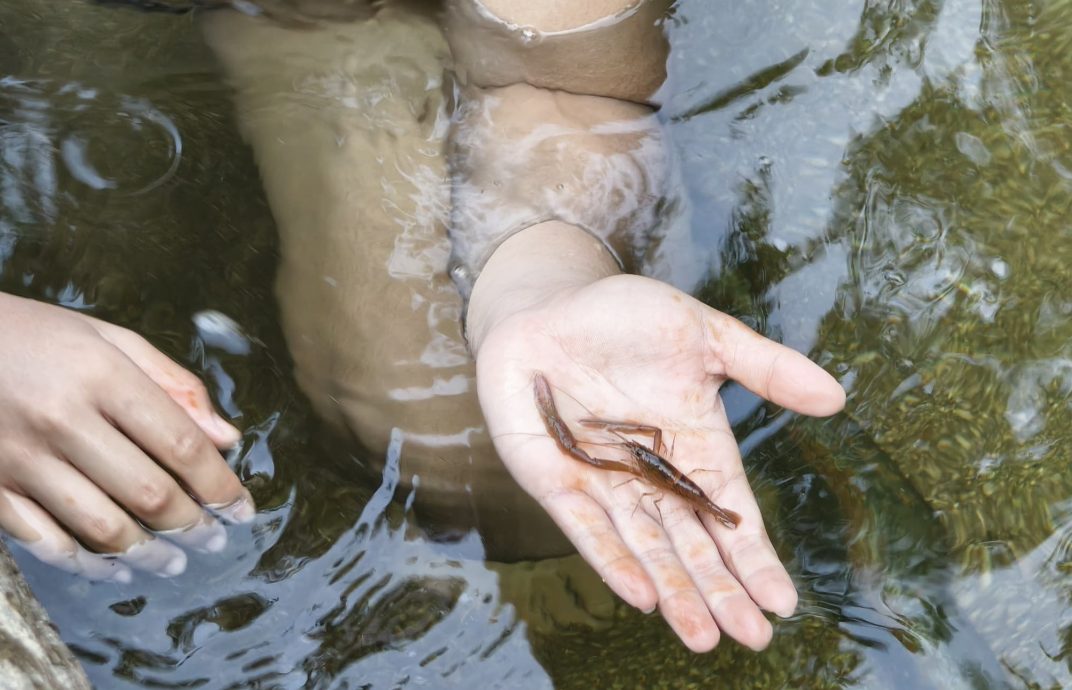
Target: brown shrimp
{"points": [[650, 466], [660, 473]]}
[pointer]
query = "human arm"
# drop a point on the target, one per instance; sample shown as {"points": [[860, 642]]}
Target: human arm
{"points": [[551, 298], [94, 424]]}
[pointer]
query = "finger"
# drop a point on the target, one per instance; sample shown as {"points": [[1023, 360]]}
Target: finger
{"points": [[746, 551], [769, 369], [108, 459], [679, 601], [38, 533], [180, 385], [753, 560], [586, 525], [733, 609], [142, 411], [89, 514]]}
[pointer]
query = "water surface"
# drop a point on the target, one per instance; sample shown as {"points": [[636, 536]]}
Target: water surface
{"points": [[885, 186]]}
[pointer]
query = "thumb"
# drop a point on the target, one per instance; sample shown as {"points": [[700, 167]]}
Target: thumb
{"points": [[768, 369]]}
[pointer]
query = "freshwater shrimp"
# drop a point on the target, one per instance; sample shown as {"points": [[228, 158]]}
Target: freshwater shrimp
{"points": [[650, 466], [658, 471]]}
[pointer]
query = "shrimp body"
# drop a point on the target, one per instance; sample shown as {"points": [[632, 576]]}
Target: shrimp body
{"points": [[658, 472]]}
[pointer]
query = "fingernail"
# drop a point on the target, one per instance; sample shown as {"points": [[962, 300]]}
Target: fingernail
{"points": [[225, 430], [74, 559], [217, 543], [25, 532], [176, 566], [245, 511], [156, 556], [241, 510], [208, 535], [99, 567]]}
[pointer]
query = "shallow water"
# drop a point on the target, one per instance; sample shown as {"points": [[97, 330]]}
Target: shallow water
{"points": [[882, 185]]}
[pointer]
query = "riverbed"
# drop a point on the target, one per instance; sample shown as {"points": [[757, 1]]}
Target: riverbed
{"points": [[883, 186]]}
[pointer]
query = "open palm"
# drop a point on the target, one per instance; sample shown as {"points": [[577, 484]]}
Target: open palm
{"points": [[631, 348]]}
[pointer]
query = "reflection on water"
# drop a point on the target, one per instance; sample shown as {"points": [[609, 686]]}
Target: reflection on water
{"points": [[884, 185], [929, 250]]}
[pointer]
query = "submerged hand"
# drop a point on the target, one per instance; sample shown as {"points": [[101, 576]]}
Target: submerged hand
{"points": [[631, 348], [95, 426]]}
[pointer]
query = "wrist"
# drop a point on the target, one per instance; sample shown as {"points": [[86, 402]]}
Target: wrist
{"points": [[532, 268]]}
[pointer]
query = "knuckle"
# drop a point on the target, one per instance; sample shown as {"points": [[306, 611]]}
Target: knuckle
{"points": [[599, 536], [658, 555], [154, 497], [617, 561], [716, 578], [187, 382], [50, 418], [105, 533], [187, 447], [750, 548]]}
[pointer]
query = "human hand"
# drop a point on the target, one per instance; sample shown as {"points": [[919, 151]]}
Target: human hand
{"points": [[630, 348], [96, 426]]}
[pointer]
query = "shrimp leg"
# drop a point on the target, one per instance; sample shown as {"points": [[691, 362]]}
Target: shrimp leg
{"points": [[659, 471]]}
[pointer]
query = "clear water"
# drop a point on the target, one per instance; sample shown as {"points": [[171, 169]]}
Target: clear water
{"points": [[885, 186]]}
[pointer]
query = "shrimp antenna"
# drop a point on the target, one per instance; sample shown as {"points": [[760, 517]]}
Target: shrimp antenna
{"points": [[565, 393], [587, 409]]}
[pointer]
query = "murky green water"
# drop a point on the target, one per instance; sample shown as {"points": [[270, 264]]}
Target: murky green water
{"points": [[884, 185]]}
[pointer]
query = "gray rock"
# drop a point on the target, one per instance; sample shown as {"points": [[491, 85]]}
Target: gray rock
{"points": [[32, 656]]}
